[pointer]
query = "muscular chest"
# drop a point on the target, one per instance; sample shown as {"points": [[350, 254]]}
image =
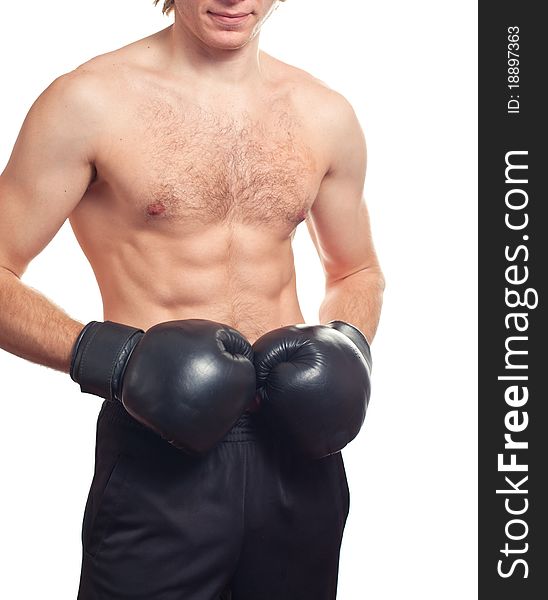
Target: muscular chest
{"points": [[198, 166]]}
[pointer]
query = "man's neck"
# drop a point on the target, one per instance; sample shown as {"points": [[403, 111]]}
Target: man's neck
{"points": [[191, 57]]}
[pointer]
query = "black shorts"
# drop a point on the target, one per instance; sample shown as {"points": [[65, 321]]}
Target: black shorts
{"points": [[246, 521]]}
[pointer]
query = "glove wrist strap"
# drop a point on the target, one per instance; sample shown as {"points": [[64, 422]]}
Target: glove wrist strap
{"points": [[100, 355], [356, 336]]}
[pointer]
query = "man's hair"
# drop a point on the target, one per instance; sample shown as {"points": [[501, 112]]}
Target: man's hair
{"points": [[168, 6]]}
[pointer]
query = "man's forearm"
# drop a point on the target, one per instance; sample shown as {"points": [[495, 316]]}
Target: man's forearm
{"points": [[32, 327], [356, 299]]}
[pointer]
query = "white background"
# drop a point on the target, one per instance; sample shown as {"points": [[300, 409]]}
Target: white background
{"points": [[409, 69]]}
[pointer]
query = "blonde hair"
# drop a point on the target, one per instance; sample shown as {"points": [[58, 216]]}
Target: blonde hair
{"points": [[168, 5]]}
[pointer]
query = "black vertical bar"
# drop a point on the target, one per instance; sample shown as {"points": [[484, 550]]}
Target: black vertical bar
{"points": [[513, 334]]}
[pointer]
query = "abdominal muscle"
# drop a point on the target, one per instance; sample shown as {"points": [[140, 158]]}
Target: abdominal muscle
{"points": [[239, 275]]}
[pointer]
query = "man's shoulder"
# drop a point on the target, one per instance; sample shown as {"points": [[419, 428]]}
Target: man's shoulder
{"points": [[108, 70], [87, 84], [71, 97], [315, 96], [97, 85]]}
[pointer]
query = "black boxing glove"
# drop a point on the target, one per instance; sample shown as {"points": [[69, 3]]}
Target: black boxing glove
{"points": [[313, 384], [189, 381]]}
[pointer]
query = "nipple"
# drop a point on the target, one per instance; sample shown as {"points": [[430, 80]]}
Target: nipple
{"points": [[155, 209], [301, 216]]}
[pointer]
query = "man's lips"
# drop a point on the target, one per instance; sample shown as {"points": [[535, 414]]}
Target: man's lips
{"points": [[229, 18]]}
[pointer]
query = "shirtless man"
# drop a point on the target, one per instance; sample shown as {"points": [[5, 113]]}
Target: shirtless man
{"points": [[184, 162]]}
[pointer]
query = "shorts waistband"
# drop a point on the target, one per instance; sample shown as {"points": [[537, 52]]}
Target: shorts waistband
{"points": [[244, 430]]}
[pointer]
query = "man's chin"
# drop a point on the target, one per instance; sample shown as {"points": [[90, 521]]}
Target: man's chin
{"points": [[228, 41]]}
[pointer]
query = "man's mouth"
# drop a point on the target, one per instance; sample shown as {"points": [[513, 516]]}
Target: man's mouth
{"points": [[229, 18]]}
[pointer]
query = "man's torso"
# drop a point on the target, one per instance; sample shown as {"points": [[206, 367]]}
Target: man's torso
{"points": [[197, 194]]}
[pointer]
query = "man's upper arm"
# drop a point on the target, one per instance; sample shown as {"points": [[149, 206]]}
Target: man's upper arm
{"points": [[49, 170], [339, 220]]}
